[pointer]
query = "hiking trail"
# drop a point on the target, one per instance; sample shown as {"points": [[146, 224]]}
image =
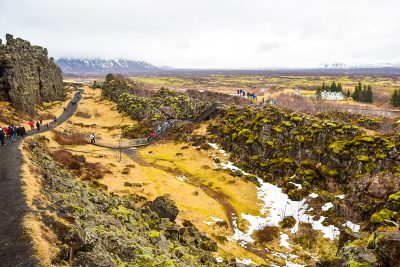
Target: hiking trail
{"points": [[15, 245]]}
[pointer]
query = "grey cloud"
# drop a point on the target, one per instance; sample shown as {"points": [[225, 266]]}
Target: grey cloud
{"points": [[209, 33], [268, 46]]}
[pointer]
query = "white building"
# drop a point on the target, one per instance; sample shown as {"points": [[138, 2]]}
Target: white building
{"points": [[331, 95]]}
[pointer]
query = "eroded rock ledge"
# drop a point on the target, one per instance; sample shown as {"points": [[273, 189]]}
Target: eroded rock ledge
{"points": [[27, 75]]}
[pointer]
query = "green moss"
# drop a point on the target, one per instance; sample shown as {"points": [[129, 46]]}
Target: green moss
{"points": [[244, 133], [263, 164], [76, 208], [307, 163], [297, 119], [277, 129], [287, 123], [363, 158], [251, 139], [154, 234], [367, 139], [300, 138], [288, 160], [382, 215], [338, 147], [370, 242], [380, 156], [359, 264], [325, 170], [395, 197], [120, 212]]}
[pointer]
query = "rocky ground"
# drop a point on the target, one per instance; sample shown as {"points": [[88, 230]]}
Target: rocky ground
{"points": [[93, 228]]}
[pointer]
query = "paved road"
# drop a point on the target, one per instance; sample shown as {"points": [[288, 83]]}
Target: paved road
{"points": [[15, 245]]}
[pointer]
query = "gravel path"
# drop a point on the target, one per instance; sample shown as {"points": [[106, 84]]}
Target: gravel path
{"points": [[15, 245]]}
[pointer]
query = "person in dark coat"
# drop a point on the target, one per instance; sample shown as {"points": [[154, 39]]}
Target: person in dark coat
{"points": [[38, 125], [18, 131], [2, 136], [22, 130], [11, 133]]}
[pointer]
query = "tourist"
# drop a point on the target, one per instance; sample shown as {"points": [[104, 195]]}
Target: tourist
{"points": [[5, 129], [2, 135], [12, 133], [92, 139], [31, 124], [55, 120], [48, 125], [18, 131], [38, 125], [41, 121], [22, 130]]}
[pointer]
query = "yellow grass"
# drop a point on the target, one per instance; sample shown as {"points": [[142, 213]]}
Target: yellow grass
{"points": [[42, 237], [199, 164]]}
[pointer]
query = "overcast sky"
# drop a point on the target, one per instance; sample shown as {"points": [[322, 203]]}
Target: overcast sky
{"points": [[211, 33]]}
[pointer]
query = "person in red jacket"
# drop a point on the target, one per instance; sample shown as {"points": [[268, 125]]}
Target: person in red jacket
{"points": [[31, 124], [5, 129]]}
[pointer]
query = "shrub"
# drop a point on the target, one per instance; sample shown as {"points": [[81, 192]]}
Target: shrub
{"points": [[83, 114], [267, 234], [68, 139], [66, 158], [305, 236]]}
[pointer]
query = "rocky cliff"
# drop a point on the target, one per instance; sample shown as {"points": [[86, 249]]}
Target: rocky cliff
{"points": [[303, 155], [27, 75]]}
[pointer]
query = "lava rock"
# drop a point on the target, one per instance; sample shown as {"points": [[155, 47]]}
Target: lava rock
{"points": [[164, 207]]}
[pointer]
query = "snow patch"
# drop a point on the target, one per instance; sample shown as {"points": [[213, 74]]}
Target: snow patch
{"points": [[245, 261], [219, 259], [327, 206], [352, 226], [213, 145], [181, 178], [229, 165], [279, 206], [299, 186], [313, 195], [340, 196], [214, 220], [284, 241]]}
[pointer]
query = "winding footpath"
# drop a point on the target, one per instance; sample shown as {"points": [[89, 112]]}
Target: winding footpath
{"points": [[15, 245]]}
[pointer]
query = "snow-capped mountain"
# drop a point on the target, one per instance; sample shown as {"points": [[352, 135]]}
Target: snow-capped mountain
{"points": [[100, 65]]}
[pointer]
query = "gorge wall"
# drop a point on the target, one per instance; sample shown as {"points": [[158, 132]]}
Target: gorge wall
{"points": [[27, 75]]}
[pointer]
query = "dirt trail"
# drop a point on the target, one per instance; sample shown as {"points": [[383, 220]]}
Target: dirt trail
{"points": [[15, 245]]}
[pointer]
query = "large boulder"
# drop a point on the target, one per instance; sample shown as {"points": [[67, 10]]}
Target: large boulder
{"points": [[164, 207], [387, 245]]}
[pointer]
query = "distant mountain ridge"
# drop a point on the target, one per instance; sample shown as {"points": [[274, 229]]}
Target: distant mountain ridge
{"points": [[100, 65], [395, 65]]}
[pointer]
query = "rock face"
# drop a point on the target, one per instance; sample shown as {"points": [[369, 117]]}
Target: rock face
{"points": [[27, 75], [387, 246]]}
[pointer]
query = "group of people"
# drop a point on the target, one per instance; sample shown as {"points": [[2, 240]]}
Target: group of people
{"points": [[162, 127], [243, 93], [12, 132]]}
